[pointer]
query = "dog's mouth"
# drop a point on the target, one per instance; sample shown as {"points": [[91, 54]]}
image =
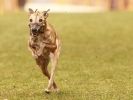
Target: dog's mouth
{"points": [[36, 32]]}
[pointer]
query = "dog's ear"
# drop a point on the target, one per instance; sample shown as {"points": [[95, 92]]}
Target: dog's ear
{"points": [[45, 13], [31, 11]]}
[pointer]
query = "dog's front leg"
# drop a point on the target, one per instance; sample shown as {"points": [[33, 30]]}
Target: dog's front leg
{"points": [[34, 55], [33, 52], [40, 51]]}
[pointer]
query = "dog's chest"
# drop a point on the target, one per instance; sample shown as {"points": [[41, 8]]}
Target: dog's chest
{"points": [[36, 42]]}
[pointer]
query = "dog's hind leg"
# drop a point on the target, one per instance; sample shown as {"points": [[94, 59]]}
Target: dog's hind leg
{"points": [[43, 65], [53, 67], [54, 60]]}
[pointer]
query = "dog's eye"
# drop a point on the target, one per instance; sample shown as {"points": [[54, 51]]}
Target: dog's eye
{"points": [[40, 20], [30, 20]]}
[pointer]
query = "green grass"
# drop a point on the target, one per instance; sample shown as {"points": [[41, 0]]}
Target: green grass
{"points": [[96, 61]]}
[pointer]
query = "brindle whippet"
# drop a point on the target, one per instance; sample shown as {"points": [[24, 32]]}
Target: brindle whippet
{"points": [[44, 45]]}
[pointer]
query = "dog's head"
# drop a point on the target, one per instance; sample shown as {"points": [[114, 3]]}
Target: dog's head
{"points": [[37, 21]]}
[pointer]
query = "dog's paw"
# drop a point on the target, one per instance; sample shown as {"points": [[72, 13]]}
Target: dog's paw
{"points": [[34, 55], [47, 91], [39, 53]]}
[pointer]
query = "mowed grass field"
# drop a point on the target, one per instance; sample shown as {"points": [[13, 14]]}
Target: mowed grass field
{"points": [[96, 61]]}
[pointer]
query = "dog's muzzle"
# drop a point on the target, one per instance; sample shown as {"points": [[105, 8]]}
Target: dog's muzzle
{"points": [[36, 30]]}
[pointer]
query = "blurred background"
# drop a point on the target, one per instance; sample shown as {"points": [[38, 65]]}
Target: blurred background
{"points": [[67, 5]]}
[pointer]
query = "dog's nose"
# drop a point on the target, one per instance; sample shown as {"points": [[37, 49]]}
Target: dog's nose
{"points": [[34, 30]]}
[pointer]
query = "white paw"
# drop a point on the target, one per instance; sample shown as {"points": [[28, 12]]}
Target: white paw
{"points": [[47, 91], [35, 56]]}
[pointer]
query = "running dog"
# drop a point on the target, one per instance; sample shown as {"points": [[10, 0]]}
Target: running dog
{"points": [[44, 45]]}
